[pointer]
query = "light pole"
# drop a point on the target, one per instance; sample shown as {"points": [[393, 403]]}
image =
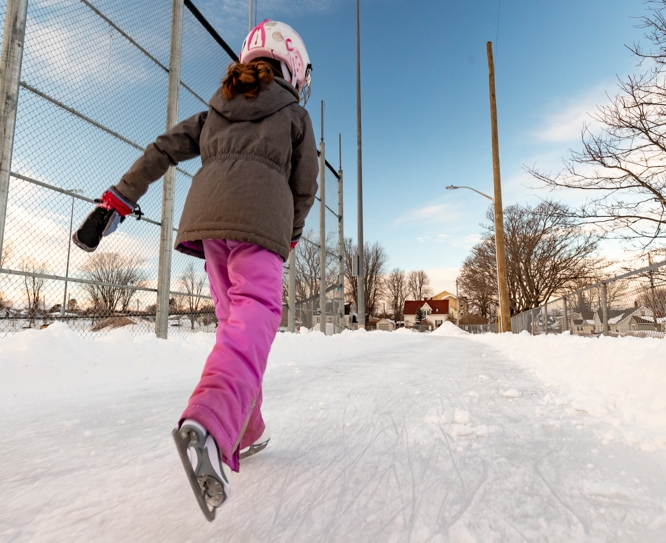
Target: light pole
{"points": [[69, 250], [499, 289], [359, 175]]}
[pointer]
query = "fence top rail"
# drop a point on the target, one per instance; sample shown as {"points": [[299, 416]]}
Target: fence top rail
{"points": [[204, 22]]}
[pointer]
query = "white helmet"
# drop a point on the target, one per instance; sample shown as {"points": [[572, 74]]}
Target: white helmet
{"points": [[272, 39]]}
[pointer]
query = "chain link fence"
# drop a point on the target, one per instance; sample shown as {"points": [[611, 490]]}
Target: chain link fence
{"points": [[632, 304], [93, 92]]}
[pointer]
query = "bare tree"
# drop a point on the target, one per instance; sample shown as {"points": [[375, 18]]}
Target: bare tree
{"points": [[375, 259], [308, 280], [395, 287], [418, 285], [193, 283], [622, 165], [547, 253], [478, 280], [114, 273], [33, 286]]}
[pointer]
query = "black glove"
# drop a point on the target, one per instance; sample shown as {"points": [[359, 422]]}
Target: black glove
{"points": [[111, 210]]}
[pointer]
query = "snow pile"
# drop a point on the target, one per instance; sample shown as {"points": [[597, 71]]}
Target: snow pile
{"points": [[619, 380], [39, 365], [449, 329], [54, 363]]}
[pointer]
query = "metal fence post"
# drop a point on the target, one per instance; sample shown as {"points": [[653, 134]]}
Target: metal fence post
{"points": [[565, 316], [535, 326], [322, 227], [545, 318], [604, 307], [341, 244], [168, 191], [10, 74], [291, 299]]}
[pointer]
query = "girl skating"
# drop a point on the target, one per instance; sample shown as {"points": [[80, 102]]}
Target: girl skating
{"points": [[245, 211]]}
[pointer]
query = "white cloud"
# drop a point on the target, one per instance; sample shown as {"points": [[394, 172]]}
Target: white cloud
{"points": [[55, 50], [430, 214], [563, 120]]}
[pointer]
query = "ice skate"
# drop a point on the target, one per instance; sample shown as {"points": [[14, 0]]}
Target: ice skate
{"points": [[257, 446], [201, 460]]}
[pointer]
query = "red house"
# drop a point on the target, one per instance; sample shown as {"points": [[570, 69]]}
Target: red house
{"points": [[436, 311]]}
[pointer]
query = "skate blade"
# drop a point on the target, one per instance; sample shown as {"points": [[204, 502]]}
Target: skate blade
{"points": [[253, 449], [181, 445]]}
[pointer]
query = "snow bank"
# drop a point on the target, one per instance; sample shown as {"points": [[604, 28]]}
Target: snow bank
{"points": [[449, 329], [619, 380], [56, 363]]}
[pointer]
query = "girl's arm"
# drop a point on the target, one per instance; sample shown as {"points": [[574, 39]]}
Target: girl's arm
{"points": [[178, 144], [303, 181]]}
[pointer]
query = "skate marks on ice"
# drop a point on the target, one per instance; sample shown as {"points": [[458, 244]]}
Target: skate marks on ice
{"points": [[440, 442], [430, 440]]}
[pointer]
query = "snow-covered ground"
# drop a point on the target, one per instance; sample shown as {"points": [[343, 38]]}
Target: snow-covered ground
{"points": [[376, 437]]}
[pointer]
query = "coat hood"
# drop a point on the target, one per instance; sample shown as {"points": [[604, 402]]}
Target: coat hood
{"points": [[272, 97]]}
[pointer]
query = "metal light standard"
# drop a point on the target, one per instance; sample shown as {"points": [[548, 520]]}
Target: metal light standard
{"points": [[500, 328], [359, 140], [69, 250]]}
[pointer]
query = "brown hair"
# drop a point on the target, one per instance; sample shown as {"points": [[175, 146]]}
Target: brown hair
{"points": [[245, 79]]}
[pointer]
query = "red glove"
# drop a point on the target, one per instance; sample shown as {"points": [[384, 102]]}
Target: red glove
{"points": [[111, 210], [111, 199], [293, 244]]}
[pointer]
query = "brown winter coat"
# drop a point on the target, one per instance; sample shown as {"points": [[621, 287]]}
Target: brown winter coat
{"points": [[258, 179]]}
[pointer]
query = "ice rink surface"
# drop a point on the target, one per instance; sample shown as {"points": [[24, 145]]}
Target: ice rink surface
{"points": [[377, 437]]}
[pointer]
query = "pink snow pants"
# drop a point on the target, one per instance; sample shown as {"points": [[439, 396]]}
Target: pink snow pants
{"points": [[246, 286]]}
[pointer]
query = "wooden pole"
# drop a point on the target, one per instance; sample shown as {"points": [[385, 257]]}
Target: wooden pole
{"points": [[505, 310]]}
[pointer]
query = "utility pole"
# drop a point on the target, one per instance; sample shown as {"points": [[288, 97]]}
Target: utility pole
{"points": [[505, 309], [359, 175]]}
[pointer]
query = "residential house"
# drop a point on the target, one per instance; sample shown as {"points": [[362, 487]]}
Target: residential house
{"points": [[453, 303], [628, 321], [386, 324], [582, 323], [436, 311]]}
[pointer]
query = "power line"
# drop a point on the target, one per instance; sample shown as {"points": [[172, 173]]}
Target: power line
{"points": [[499, 5]]}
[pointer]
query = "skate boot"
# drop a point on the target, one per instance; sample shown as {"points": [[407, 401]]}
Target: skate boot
{"points": [[201, 460], [257, 446]]}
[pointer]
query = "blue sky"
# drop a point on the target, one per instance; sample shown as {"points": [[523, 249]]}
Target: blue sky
{"points": [[425, 103], [425, 109]]}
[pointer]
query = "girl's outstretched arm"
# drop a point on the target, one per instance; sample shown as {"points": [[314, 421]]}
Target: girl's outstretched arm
{"points": [[178, 144]]}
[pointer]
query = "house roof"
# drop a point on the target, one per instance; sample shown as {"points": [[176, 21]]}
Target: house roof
{"points": [[642, 320], [443, 295], [438, 307]]}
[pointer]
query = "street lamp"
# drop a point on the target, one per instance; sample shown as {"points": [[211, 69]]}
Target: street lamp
{"points": [[69, 249], [499, 319], [452, 187]]}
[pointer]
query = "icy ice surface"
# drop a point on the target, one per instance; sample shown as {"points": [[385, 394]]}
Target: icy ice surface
{"points": [[376, 437]]}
